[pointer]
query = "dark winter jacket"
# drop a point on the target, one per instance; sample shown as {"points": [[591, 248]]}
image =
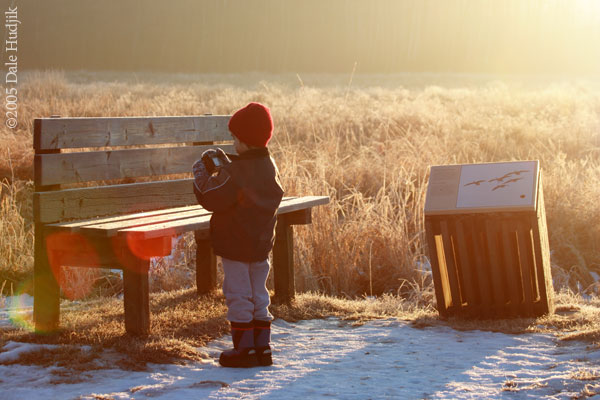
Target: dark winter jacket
{"points": [[244, 197]]}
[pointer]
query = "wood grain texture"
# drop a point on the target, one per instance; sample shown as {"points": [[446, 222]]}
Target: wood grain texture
{"points": [[438, 265], [64, 133], [512, 266], [76, 226], [66, 168], [177, 220], [206, 266], [494, 253], [541, 249], [452, 268], [283, 263], [139, 224], [170, 228], [484, 280], [300, 217], [84, 203], [497, 261], [527, 267], [136, 298], [46, 302], [202, 222], [468, 271]]}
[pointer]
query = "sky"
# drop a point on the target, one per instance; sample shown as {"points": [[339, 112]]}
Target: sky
{"points": [[335, 36]]}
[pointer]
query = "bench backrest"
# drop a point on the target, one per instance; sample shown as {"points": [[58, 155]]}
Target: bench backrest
{"points": [[81, 163]]}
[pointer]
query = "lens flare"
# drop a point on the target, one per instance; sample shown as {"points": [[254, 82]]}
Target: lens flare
{"points": [[77, 283], [145, 249], [65, 250], [20, 307]]}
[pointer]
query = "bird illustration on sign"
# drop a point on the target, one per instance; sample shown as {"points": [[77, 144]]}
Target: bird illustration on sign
{"points": [[475, 182], [518, 172], [513, 180], [496, 184], [501, 180]]}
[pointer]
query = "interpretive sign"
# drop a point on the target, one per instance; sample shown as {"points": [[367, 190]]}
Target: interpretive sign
{"points": [[488, 241], [482, 187]]}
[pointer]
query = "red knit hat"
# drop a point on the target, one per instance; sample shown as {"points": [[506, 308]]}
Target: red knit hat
{"points": [[252, 125]]}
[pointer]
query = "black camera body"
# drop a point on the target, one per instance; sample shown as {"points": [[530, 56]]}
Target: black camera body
{"points": [[213, 161]]}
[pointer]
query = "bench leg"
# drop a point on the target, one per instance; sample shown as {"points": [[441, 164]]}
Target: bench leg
{"points": [[283, 262], [136, 298], [206, 265], [46, 300]]}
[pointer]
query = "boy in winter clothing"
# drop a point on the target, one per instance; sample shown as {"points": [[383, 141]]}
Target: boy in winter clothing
{"points": [[243, 192]]}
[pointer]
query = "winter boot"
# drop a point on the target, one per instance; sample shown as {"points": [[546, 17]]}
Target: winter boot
{"points": [[243, 354], [262, 338]]}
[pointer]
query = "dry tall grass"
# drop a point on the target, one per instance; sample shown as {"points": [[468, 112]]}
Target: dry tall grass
{"points": [[369, 148], [16, 240]]}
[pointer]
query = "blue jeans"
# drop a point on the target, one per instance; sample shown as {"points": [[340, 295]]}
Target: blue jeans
{"points": [[245, 290]]}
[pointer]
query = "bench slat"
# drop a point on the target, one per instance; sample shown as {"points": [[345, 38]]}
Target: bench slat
{"points": [[111, 228], [89, 166], [302, 203], [171, 228], [106, 227], [65, 133], [84, 203], [75, 226], [201, 223]]}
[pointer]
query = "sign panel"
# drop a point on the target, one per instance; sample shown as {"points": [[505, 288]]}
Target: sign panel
{"points": [[504, 186]]}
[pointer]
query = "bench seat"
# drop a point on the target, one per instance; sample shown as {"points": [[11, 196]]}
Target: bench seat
{"points": [[170, 221], [128, 242]]}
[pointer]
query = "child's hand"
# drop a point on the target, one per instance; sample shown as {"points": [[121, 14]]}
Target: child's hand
{"points": [[222, 156], [208, 158], [214, 160], [201, 175], [210, 152]]}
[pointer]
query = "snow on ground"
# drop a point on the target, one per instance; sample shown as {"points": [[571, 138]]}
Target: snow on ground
{"points": [[333, 359]]}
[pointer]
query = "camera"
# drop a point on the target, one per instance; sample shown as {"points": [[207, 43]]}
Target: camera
{"points": [[213, 161]]}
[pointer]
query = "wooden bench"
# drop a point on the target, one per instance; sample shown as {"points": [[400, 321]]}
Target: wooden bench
{"points": [[86, 216]]}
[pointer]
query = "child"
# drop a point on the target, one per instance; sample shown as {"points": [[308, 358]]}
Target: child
{"points": [[243, 194]]}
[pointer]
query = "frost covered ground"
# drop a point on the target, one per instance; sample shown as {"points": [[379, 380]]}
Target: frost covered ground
{"points": [[333, 359]]}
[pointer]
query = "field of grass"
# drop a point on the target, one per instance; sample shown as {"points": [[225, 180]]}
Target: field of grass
{"points": [[367, 146]]}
